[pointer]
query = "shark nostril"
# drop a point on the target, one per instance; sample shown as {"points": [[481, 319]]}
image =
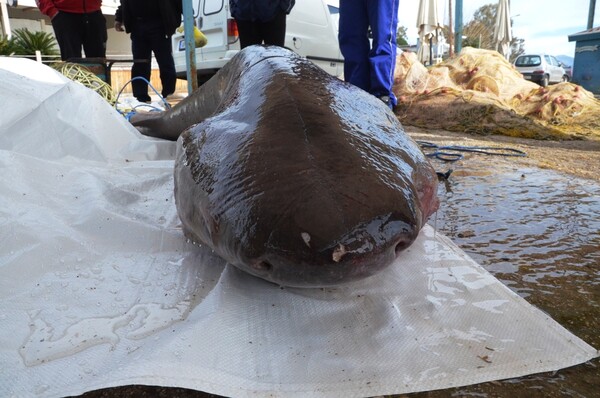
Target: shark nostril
{"points": [[261, 265], [400, 246]]}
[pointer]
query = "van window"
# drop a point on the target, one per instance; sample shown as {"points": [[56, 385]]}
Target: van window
{"points": [[335, 16], [213, 6]]}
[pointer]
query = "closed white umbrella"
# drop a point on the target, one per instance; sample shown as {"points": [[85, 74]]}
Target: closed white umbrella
{"points": [[502, 31], [429, 24]]}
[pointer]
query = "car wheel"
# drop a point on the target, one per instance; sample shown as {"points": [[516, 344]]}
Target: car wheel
{"points": [[565, 78], [544, 81]]}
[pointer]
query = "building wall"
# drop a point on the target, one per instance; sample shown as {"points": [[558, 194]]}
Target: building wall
{"points": [[586, 65]]}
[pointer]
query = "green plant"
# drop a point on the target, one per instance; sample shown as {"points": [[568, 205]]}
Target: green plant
{"points": [[401, 36], [27, 42], [7, 46]]}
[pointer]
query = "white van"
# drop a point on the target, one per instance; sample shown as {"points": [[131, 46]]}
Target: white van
{"points": [[311, 31]]}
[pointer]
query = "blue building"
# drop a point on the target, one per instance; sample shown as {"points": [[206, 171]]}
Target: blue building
{"points": [[586, 65]]}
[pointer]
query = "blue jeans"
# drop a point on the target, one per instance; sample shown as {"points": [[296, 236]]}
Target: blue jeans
{"points": [[370, 67]]}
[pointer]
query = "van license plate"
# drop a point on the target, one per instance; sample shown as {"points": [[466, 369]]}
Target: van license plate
{"points": [[181, 45]]}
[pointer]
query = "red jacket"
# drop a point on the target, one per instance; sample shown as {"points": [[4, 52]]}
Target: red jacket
{"points": [[51, 7]]}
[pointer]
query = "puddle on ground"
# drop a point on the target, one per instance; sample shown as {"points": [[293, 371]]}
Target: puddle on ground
{"points": [[144, 319], [538, 231]]}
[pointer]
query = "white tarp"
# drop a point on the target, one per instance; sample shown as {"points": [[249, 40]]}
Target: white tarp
{"points": [[99, 288]]}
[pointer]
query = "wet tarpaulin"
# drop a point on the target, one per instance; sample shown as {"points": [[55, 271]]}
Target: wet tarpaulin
{"points": [[99, 288]]}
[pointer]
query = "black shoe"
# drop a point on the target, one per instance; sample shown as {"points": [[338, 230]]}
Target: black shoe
{"points": [[386, 100]]}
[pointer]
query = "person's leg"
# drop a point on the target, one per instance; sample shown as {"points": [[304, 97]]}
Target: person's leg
{"points": [[140, 49], [67, 29], [354, 42], [94, 35], [249, 33], [162, 48], [383, 17], [273, 31]]}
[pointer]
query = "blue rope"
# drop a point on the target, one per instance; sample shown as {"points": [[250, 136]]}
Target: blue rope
{"points": [[132, 112]]}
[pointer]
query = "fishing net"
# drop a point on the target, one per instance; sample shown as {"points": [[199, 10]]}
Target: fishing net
{"points": [[480, 92]]}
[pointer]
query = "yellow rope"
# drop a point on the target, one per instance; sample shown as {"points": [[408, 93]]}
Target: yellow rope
{"points": [[83, 75]]}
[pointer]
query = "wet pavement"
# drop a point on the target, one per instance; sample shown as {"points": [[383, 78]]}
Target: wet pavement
{"points": [[538, 231]]}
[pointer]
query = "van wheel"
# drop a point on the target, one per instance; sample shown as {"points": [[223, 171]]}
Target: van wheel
{"points": [[544, 81], [565, 78]]}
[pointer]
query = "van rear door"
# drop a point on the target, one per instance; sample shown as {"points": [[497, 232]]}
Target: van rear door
{"points": [[212, 21], [312, 32], [211, 17]]}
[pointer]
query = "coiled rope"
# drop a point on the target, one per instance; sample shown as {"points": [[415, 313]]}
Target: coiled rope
{"points": [[452, 153], [83, 75]]}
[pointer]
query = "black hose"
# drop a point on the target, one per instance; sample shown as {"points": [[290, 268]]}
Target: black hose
{"points": [[452, 153]]}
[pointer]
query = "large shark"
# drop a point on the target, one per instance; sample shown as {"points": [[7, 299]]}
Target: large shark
{"points": [[291, 174]]}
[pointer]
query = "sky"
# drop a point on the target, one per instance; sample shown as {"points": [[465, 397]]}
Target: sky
{"points": [[544, 25]]}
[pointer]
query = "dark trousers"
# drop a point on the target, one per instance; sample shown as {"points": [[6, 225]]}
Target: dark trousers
{"points": [[256, 32], [149, 37], [73, 31]]}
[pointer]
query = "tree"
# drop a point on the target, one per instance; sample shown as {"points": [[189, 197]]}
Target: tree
{"points": [[517, 47], [479, 31], [401, 36]]}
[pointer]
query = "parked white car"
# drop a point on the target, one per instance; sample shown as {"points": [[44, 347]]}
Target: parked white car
{"points": [[311, 31], [541, 68]]}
